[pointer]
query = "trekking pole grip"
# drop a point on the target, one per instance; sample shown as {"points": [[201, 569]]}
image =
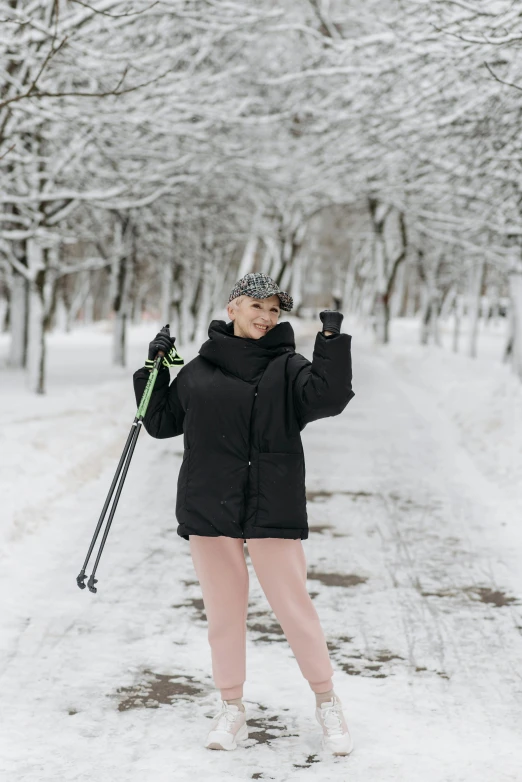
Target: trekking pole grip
{"points": [[145, 399]]}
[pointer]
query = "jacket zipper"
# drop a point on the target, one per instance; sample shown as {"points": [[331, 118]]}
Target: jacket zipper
{"points": [[247, 485], [250, 427]]}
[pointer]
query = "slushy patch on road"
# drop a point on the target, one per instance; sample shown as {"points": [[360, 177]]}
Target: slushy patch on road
{"points": [[495, 597], [155, 689], [337, 579]]}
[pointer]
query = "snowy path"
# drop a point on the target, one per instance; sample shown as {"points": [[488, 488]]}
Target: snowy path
{"points": [[413, 563]]}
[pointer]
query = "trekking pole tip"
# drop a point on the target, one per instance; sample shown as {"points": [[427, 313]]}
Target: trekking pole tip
{"points": [[91, 582], [80, 579]]}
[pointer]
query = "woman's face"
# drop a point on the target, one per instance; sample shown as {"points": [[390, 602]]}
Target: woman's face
{"points": [[254, 317]]}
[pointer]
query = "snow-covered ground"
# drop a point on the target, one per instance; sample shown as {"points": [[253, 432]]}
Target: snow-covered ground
{"points": [[415, 502]]}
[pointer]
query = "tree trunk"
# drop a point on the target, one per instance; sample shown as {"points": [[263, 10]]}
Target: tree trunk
{"points": [[124, 250], [4, 314], [119, 345], [203, 305], [476, 280], [425, 316], [381, 299], [117, 282], [289, 249], [494, 308], [166, 292], [175, 315], [411, 306], [399, 294], [510, 336], [88, 309], [434, 317], [386, 269], [36, 330], [69, 316], [515, 290], [430, 315], [457, 312], [103, 294], [186, 318], [349, 277], [18, 321], [382, 317], [448, 303], [36, 361]]}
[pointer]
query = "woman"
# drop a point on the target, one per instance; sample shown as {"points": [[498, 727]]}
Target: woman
{"points": [[241, 405]]}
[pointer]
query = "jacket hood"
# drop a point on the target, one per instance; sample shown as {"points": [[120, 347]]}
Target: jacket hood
{"points": [[245, 357]]}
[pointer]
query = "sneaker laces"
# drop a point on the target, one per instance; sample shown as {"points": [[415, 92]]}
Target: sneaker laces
{"points": [[332, 719], [226, 718]]}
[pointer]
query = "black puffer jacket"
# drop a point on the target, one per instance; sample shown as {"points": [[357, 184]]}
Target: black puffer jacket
{"points": [[241, 405]]}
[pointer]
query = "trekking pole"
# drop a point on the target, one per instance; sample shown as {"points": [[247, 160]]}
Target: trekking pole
{"points": [[124, 464]]}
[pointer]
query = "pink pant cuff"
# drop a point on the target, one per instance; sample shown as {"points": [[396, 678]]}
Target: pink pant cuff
{"points": [[319, 687], [232, 692]]}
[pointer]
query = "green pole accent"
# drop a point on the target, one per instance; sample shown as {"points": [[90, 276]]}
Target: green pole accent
{"points": [[145, 399]]}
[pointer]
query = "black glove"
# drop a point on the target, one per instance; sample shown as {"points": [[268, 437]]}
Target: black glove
{"points": [[332, 320], [164, 342]]}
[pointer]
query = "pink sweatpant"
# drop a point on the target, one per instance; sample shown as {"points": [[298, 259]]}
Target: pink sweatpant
{"points": [[280, 566]]}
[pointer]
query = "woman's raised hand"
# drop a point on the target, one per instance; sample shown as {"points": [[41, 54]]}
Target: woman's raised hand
{"points": [[331, 320]]}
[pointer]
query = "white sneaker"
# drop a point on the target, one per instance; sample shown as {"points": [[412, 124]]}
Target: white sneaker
{"points": [[228, 727], [336, 736]]}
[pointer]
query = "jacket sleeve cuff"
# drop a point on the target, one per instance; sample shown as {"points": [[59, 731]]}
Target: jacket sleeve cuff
{"points": [[330, 336]]}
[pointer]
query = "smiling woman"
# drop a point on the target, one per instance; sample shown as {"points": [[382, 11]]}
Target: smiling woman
{"points": [[241, 405]]}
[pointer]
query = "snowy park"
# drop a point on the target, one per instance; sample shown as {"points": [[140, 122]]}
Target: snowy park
{"points": [[260, 289]]}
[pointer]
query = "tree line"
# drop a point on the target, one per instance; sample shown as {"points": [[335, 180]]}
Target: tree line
{"points": [[153, 152]]}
